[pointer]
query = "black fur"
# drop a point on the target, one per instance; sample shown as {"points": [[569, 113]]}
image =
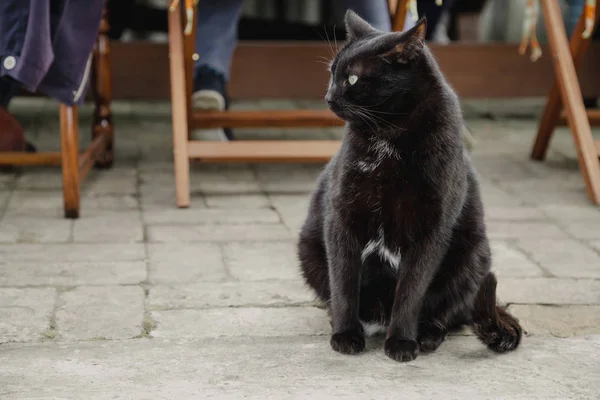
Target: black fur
{"points": [[395, 232]]}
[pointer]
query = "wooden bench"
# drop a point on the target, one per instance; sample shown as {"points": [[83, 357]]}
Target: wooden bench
{"points": [[181, 50], [495, 60]]}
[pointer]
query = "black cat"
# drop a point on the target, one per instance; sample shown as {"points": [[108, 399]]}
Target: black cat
{"points": [[395, 234]]}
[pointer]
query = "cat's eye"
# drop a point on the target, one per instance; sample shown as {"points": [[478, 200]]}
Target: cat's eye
{"points": [[352, 79]]}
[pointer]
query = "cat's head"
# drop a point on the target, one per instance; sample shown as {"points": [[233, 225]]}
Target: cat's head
{"points": [[374, 75]]}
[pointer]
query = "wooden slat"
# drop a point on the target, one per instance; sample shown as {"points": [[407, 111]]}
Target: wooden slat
{"points": [[69, 142], [593, 117], [18, 158], [91, 154], [292, 70], [265, 119], [301, 151], [598, 147], [179, 106]]}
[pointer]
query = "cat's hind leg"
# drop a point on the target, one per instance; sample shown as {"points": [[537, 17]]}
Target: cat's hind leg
{"points": [[313, 263], [311, 250]]}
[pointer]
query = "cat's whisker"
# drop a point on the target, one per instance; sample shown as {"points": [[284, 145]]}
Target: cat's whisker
{"points": [[334, 38], [375, 120], [361, 115], [331, 49]]}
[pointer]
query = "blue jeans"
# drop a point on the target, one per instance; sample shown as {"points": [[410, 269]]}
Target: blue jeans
{"points": [[217, 28], [8, 88], [573, 13]]}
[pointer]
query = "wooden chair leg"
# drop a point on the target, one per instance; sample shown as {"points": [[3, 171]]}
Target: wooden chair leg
{"points": [[398, 10], [179, 104], [189, 48], [570, 92], [101, 85], [551, 115], [69, 140]]}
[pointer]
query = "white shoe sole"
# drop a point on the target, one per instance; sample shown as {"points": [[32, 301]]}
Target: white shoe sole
{"points": [[208, 100]]}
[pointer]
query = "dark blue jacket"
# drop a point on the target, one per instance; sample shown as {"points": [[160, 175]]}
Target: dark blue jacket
{"points": [[46, 45]]}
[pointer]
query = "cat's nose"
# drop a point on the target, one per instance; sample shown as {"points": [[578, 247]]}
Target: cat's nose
{"points": [[329, 100]]}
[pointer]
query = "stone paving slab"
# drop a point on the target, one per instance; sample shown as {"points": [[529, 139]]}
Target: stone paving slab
{"points": [[25, 313], [229, 294], [69, 273], [262, 261], [71, 252], [116, 227], [100, 313], [524, 213], [244, 201], [29, 229], [185, 263], [493, 196], [572, 213], [583, 230], [171, 216], [40, 178], [508, 261], [548, 291], [217, 233], [563, 257], [135, 266], [247, 321], [290, 368], [516, 230], [50, 204], [563, 321], [116, 181]]}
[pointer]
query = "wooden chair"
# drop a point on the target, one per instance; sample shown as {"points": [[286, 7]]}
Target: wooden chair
{"points": [[76, 165], [566, 91], [181, 53]]}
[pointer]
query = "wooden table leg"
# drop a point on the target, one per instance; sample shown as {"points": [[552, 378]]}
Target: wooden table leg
{"points": [[551, 115], [179, 104], [571, 96], [101, 85], [69, 140]]}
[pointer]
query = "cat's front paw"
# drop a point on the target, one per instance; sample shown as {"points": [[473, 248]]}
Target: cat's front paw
{"points": [[402, 350], [349, 342]]}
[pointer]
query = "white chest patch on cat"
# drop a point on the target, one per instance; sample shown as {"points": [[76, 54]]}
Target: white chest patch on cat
{"points": [[379, 247], [372, 328]]}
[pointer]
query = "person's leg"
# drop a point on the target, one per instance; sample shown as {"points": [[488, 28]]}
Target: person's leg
{"points": [[216, 39], [433, 12], [375, 12], [8, 88], [11, 132], [574, 10], [216, 35]]}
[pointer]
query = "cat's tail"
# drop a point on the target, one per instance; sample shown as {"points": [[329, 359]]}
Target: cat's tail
{"points": [[492, 324]]}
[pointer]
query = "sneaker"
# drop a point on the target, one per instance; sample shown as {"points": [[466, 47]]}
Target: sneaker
{"points": [[209, 94]]}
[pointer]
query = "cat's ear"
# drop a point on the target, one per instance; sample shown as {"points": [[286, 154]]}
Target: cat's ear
{"points": [[407, 46], [356, 27]]}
